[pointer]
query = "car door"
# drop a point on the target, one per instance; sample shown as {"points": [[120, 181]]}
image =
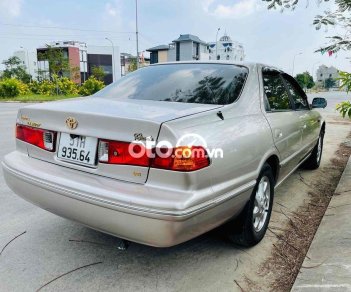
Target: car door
{"points": [[309, 120], [284, 123]]}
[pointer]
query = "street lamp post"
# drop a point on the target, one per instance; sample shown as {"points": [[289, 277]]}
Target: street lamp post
{"points": [[217, 42], [113, 60], [137, 32], [294, 62]]}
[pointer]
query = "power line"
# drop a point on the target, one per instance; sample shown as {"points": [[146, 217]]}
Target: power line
{"points": [[61, 35], [61, 27]]}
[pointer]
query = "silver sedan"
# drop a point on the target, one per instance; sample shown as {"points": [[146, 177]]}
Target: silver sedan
{"points": [[169, 152]]}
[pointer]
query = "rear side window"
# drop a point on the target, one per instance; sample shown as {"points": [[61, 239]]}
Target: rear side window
{"points": [[189, 83], [297, 94], [274, 88]]}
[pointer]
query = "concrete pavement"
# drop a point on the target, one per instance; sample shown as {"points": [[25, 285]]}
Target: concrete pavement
{"points": [[328, 262]]}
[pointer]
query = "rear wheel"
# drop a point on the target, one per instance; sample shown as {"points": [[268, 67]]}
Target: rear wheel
{"points": [[252, 224], [314, 160]]}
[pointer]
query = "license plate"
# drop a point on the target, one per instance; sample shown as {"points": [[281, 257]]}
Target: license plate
{"points": [[77, 149]]}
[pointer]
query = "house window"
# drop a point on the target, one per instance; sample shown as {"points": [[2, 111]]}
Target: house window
{"points": [[218, 57]]}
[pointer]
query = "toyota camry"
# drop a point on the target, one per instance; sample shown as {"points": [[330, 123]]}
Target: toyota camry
{"points": [[169, 152]]}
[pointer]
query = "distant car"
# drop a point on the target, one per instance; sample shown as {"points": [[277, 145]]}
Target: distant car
{"points": [[87, 159], [319, 102]]}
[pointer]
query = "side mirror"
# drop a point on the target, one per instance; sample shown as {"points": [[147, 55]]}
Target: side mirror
{"points": [[319, 102]]}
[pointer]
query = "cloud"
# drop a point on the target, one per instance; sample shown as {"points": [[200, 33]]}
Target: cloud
{"points": [[206, 5], [112, 16], [10, 8], [240, 9], [110, 9]]}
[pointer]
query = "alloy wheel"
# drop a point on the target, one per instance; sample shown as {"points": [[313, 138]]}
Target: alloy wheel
{"points": [[261, 204]]}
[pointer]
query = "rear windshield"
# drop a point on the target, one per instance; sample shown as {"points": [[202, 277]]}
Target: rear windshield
{"points": [[189, 83]]}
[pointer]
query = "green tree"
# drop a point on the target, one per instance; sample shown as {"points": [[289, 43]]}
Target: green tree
{"points": [[98, 72], [12, 62], [340, 17], [345, 81], [132, 65], [305, 80], [15, 69], [329, 83]]}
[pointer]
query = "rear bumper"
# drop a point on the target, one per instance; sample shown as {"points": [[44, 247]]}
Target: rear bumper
{"points": [[102, 203]]}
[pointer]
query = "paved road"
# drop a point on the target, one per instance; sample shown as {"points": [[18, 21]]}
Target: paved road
{"points": [[206, 263]]}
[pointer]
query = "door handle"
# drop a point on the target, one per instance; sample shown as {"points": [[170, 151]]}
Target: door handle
{"points": [[278, 133]]}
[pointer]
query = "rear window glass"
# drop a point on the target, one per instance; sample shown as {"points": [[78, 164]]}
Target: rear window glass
{"points": [[189, 83]]}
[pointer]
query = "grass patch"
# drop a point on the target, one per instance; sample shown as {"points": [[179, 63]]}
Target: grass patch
{"points": [[37, 98]]}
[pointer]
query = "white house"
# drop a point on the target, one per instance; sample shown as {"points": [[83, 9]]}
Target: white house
{"points": [[189, 47], [29, 60], [226, 49], [324, 73]]}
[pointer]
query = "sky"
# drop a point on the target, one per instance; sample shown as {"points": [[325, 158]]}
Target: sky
{"points": [[268, 36]]}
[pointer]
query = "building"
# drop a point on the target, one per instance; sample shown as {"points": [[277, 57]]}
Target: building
{"points": [[189, 47], [158, 54], [325, 72], [226, 49], [106, 57], [29, 60], [82, 58], [185, 48]]}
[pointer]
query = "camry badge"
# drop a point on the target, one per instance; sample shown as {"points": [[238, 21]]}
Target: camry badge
{"points": [[71, 123]]}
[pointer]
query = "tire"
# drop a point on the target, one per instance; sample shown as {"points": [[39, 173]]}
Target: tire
{"points": [[315, 158], [248, 230]]}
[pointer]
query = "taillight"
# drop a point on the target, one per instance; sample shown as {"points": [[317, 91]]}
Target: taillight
{"points": [[177, 159], [116, 152], [43, 139], [182, 158]]}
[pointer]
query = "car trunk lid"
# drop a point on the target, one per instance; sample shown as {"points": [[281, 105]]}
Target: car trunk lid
{"points": [[105, 119]]}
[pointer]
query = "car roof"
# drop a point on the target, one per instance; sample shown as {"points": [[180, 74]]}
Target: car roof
{"points": [[250, 65]]}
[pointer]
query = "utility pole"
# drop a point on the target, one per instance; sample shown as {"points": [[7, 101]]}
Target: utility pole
{"points": [[137, 32]]}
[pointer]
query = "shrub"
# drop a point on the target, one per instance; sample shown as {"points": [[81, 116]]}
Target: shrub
{"points": [[23, 88], [46, 87], [12, 87], [67, 86], [91, 86], [34, 87]]}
